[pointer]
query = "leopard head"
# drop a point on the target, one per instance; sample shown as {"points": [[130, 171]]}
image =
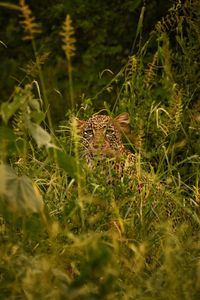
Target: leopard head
{"points": [[101, 136]]}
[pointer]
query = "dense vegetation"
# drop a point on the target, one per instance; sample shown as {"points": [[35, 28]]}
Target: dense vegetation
{"points": [[59, 237], [102, 42]]}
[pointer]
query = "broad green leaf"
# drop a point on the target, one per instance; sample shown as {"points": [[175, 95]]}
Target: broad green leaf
{"points": [[34, 104], [21, 97], [7, 139], [6, 134], [9, 109], [67, 162], [11, 144], [21, 145], [37, 116], [41, 136], [18, 193], [6, 174]]}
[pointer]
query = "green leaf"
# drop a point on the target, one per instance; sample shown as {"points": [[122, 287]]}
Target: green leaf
{"points": [[21, 97], [6, 135], [37, 116], [7, 139], [9, 109], [67, 162], [34, 104], [41, 136], [19, 194], [21, 145], [6, 174]]}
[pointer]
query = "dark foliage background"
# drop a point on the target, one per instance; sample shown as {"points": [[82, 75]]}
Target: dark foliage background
{"points": [[105, 32]]}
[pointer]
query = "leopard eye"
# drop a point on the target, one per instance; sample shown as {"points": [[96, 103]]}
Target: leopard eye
{"points": [[88, 133], [110, 132]]}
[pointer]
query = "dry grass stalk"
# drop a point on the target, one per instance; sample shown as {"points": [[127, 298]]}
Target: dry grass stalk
{"points": [[31, 28]]}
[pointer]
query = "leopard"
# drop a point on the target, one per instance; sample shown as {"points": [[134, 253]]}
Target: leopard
{"points": [[101, 136], [114, 171], [102, 148]]}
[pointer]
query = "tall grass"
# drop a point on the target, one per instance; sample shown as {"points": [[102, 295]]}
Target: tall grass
{"points": [[62, 237], [69, 49]]}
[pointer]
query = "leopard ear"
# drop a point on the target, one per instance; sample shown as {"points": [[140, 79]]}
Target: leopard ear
{"points": [[122, 122], [123, 119], [79, 123]]}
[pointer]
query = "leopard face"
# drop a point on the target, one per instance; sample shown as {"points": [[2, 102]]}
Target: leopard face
{"points": [[108, 162], [101, 136]]}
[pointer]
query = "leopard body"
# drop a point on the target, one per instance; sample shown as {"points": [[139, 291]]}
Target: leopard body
{"points": [[102, 148], [113, 170]]}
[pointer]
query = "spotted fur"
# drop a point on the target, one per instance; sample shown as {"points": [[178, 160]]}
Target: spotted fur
{"points": [[113, 170], [102, 148], [101, 138]]}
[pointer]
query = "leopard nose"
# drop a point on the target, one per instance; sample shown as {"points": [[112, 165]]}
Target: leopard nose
{"points": [[97, 146], [100, 145]]}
